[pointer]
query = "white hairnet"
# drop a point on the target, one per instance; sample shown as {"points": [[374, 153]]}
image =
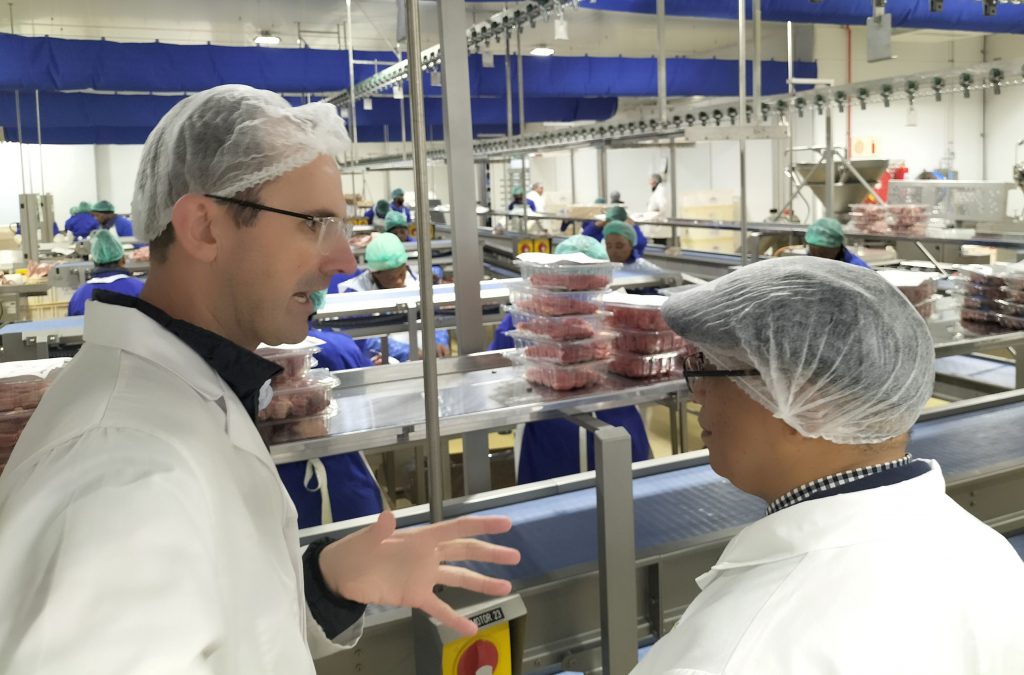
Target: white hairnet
{"points": [[223, 141], [842, 354]]}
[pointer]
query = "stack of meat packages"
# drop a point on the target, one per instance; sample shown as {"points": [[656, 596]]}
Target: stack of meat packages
{"points": [[560, 328], [22, 385], [301, 407], [919, 287], [991, 297], [645, 347]]}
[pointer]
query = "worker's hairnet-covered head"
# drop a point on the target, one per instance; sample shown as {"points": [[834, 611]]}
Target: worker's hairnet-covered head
{"points": [[395, 219], [600, 200], [517, 191], [826, 233], [397, 192], [622, 229], [616, 213], [615, 196], [581, 243], [106, 248], [225, 140], [381, 208], [842, 354], [103, 206], [83, 207], [385, 252]]}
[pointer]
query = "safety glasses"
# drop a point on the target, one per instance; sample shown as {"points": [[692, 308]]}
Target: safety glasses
{"points": [[329, 230], [695, 369]]}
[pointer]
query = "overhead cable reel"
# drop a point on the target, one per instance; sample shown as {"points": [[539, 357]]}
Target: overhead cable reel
{"points": [[801, 104], [841, 100], [966, 79], [717, 115], [862, 96], [765, 108], [886, 94], [690, 119], [911, 90], [995, 76], [819, 103], [703, 117], [749, 113], [937, 84]]}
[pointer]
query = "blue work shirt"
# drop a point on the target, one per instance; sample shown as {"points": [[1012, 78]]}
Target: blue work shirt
{"points": [[402, 209], [515, 207], [81, 224], [849, 257], [122, 226], [113, 279], [350, 486], [550, 448]]}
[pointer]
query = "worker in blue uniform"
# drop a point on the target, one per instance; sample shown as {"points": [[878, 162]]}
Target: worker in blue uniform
{"points": [[621, 241], [825, 239], [345, 479], [108, 218], [397, 224], [517, 201], [81, 222], [550, 448], [108, 256], [398, 203], [387, 267], [595, 228], [378, 213]]}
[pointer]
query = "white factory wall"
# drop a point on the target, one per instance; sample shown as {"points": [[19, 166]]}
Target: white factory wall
{"points": [[69, 174]]}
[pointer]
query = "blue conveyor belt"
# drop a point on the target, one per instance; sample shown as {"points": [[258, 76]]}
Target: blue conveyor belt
{"points": [[979, 369], [1017, 541], [558, 534]]}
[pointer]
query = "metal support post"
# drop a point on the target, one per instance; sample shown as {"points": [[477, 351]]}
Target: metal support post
{"points": [[662, 77], [39, 142], [430, 402], [756, 5], [572, 175], [616, 544], [353, 127], [508, 85], [789, 111], [522, 95], [830, 165], [742, 28], [466, 255], [602, 169], [673, 187]]}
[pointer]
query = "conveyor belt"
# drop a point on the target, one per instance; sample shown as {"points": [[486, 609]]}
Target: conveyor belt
{"points": [[558, 535], [1017, 541], [985, 371]]}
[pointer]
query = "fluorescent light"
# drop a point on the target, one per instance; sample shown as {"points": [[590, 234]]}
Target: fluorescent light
{"points": [[542, 51], [266, 38]]}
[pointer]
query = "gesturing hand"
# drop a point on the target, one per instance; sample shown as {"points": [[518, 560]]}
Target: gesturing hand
{"points": [[378, 565]]}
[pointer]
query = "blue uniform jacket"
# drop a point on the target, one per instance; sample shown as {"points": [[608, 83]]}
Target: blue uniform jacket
{"points": [[122, 226], [81, 224], [116, 280], [515, 207], [351, 488], [402, 209], [853, 259], [551, 448]]}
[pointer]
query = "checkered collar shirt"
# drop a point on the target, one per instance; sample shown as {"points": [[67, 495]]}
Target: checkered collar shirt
{"points": [[823, 486]]}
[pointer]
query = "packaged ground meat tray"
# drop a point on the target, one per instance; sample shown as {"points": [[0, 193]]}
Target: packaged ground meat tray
{"points": [[302, 397], [23, 383], [541, 348], [1011, 322], [648, 341], [554, 303], [983, 275], [296, 360], [560, 327], [12, 423], [978, 316], [564, 378], [575, 272], [644, 365], [296, 429], [969, 288], [636, 312], [917, 286]]}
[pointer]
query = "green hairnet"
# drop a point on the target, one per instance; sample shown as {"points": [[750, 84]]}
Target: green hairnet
{"points": [[397, 192], [103, 206], [581, 243], [381, 208], [826, 233], [517, 191], [395, 219], [616, 213], [600, 200], [385, 252], [622, 229], [74, 210], [84, 207], [106, 248]]}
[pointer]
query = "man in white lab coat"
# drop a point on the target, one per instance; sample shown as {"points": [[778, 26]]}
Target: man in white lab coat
{"points": [[143, 527], [810, 377], [657, 210]]}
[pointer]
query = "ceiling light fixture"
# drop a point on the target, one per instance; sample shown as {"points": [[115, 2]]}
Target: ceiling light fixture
{"points": [[266, 38], [542, 51]]}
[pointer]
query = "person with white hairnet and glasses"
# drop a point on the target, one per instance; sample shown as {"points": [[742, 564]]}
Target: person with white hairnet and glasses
{"points": [[811, 375], [143, 523]]}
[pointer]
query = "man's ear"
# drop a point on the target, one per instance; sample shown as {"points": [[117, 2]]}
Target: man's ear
{"points": [[192, 218]]}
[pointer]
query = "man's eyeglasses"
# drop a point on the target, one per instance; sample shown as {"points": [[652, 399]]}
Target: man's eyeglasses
{"points": [[695, 368], [329, 230]]}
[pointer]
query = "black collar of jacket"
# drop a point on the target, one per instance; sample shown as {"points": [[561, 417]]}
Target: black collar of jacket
{"points": [[243, 371]]}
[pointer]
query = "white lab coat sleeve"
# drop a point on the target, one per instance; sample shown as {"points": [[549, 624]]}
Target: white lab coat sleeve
{"points": [[113, 526], [320, 645]]}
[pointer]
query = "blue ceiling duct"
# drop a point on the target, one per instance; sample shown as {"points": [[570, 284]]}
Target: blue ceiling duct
{"points": [[128, 119], [955, 14]]}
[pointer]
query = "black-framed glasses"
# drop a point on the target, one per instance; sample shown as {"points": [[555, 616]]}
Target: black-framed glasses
{"points": [[695, 367], [329, 230]]}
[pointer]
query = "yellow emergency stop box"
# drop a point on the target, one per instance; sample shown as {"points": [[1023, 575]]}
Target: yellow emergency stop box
{"points": [[496, 649]]}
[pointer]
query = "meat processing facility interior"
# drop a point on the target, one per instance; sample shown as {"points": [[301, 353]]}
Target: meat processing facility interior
{"points": [[534, 337]]}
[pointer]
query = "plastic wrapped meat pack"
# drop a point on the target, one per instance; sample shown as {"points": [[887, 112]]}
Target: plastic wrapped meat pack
{"points": [[575, 272], [542, 348]]}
